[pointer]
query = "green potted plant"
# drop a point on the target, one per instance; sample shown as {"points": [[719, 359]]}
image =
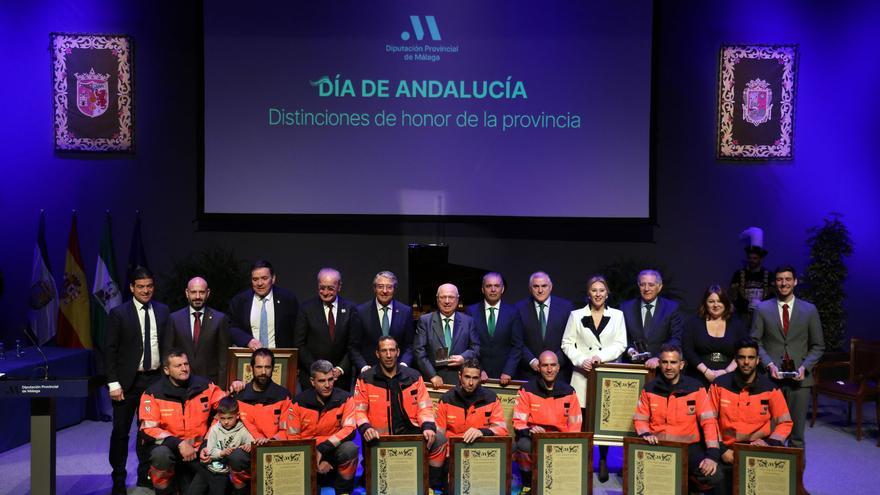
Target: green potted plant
{"points": [[829, 244], [226, 276]]}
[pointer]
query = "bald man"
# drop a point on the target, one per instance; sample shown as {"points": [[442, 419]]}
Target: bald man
{"points": [[202, 332], [442, 333]]}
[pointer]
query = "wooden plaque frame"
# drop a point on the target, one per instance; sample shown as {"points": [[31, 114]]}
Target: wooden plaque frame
{"points": [[796, 456], [286, 358], [392, 441], [595, 403], [307, 446], [631, 444], [507, 446], [541, 440]]}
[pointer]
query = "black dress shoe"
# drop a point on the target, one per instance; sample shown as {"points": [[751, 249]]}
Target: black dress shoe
{"points": [[603, 471], [119, 488]]}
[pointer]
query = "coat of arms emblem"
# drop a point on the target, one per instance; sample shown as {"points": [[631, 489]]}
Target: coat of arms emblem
{"points": [[757, 102], [92, 93]]}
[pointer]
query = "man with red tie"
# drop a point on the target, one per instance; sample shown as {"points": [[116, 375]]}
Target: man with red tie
{"points": [[791, 342], [323, 328]]}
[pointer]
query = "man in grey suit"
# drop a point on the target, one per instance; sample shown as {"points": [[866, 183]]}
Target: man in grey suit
{"points": [[790, 335], [445, 330], [202, 332]]}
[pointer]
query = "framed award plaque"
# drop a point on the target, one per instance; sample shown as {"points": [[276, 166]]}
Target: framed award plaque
{"points": [[562, 463], [397, 465], [613, 393], [284, 374], [284, 467], [660, 469], [765, 469], [481, 467]]}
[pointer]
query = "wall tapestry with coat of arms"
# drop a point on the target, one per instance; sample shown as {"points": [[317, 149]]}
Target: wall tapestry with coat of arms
{"points": [[92, 92]]}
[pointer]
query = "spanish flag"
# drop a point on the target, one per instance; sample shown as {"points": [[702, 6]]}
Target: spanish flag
{"points": [[74, 329]]}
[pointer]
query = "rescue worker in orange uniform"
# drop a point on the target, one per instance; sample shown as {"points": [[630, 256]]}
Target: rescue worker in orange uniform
{"points": [[262, 402], [675, 407], [543, 405], [326, 414], [749, 406], [174, 414], [393, 400], [470, 411]]}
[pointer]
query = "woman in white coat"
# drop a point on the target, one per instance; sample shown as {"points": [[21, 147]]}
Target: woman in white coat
{"points": [[594, 334]]}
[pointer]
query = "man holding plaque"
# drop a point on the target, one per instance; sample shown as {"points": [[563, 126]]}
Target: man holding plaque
{"points": [[651, 321], [262, 401], [174, 415], [393, 400], [791, 342], [444, 339], [750, 408], [543, 405], [326, 414], [674, 407]]}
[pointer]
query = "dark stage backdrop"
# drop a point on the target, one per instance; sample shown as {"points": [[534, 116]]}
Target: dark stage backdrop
{"points": [[702, 204], [428, 109]]}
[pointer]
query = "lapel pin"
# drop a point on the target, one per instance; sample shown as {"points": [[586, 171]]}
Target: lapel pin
{"points": [[342, 310]]}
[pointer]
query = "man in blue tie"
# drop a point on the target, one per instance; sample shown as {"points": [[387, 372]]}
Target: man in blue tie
{"points": [[264, 315]]}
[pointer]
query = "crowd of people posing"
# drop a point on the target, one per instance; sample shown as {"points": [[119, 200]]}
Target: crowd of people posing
{"points": [[722, 376]]}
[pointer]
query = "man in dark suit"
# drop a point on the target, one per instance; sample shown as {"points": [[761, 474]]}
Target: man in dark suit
{"points": [[264, 315], [651, 320], [323, 329], [500, 331], [790, 336], [382, 315], [201, 332], [132, 361], [543, 319], [445, 330]]}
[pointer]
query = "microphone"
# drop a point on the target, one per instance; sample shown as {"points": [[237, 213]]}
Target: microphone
{"points": [[45, 367]]}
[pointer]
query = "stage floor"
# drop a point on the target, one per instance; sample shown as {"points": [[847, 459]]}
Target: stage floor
{"points": [[836, 462]]}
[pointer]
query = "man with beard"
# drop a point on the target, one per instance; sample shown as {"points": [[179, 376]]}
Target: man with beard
{"points": [[789, 333], [749, 406], [326, 414], [174, 415], [544, 404], [202, 332], [262, 402], [753, 283], [393, 400], [676, 408], [470, 411]]}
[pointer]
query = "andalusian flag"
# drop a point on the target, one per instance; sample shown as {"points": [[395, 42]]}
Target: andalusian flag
{"points": [[44, 292], [73, 320], [105, 290]]}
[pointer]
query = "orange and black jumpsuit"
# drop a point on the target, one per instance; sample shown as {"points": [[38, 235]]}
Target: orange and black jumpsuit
{"points": [[170, 415]]}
